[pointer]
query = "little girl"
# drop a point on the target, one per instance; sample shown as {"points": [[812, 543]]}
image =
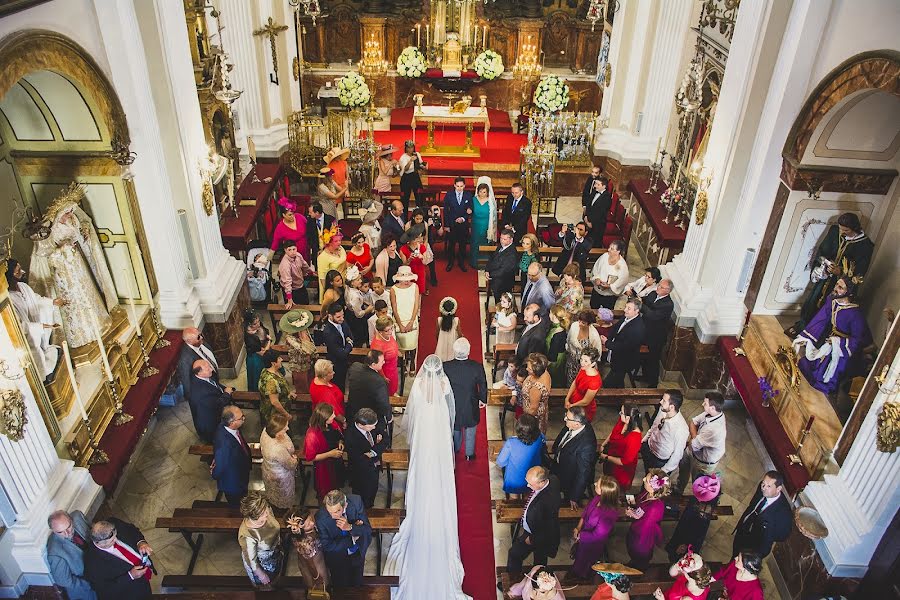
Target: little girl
{"points": [[448, 329], [505, 320]]}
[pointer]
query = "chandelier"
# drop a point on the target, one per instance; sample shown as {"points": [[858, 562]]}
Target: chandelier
{"points": [[311, 8], [373, 64], [226, 93], [527, 67]]}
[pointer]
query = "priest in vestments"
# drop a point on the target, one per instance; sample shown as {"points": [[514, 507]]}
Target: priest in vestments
{"points": [[36, 317], [833, 339]]}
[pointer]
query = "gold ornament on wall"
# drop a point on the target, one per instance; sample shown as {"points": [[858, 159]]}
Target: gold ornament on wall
{"points": [[12, 414], [888, 436], [208, 197], [701, 208]]}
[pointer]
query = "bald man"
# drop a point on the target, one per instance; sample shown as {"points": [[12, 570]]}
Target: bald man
{"points": [[540, 521], [207, 399], [194, 348]]}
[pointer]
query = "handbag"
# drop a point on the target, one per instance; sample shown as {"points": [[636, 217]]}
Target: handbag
{"points": [[573, 550], [428, 257]]}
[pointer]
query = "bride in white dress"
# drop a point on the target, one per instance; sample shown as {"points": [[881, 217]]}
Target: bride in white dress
{"points": [[425, 553]]}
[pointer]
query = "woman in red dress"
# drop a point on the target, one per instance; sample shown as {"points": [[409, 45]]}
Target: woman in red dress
{"points": [[622, 447], [360, 254], [741, 577], [586, 384], [692, 579], [324, 447], [321, 390], [385, 341], [414, 250]]}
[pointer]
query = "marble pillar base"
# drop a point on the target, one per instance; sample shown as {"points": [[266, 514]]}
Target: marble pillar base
{"points": [[700, 364], [804, 573], [226, 338]]}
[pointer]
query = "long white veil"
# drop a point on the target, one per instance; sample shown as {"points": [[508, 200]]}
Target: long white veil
{"points": [[492, 203], [425, 553]]}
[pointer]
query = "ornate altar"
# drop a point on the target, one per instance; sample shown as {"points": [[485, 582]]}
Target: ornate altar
{"points": [[448, 115]]}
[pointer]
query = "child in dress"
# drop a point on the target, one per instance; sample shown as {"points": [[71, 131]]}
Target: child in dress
{"points": [[448, 329], [505, 320]]}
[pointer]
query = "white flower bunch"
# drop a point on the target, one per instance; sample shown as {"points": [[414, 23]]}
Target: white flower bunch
{"points": [[551, 94], [411, 62], [489, 65], [353, 90]]}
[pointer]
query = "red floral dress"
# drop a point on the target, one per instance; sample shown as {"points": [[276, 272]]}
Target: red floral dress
{"points": [[416, 264]]}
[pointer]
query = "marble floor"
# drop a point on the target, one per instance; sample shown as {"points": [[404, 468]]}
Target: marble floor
{"points": [[162, 476]]}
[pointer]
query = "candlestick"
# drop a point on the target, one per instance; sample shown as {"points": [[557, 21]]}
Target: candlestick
{"points": [[656, 154], [668, 130], [134, 318], [96, 326], [484, 45], [475, 37], [418, 34], [427, 36], [68, 359]]}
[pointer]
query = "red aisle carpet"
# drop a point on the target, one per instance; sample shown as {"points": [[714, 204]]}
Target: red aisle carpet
{"points": [[401, 118], [473, 484]]}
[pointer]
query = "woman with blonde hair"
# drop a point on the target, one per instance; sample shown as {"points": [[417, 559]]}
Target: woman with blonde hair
{"points": [[645, 532], [530, 253], [560, 321], [596, 523], [323, 389], [570, 293], [582, 335], [279, 466], [260, 539]]}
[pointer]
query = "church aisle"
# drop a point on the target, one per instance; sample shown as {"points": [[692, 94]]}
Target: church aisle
{"points": [[473, 486]]}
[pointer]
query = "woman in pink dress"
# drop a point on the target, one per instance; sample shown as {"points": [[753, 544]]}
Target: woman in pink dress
{"points": [[692, 579], [385, 342], [290, 228], [741, 577], [414, 250], [596, 523], [645, 532]]}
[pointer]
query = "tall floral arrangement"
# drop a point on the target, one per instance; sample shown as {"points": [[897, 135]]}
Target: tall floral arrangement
{"points": [[411, 62], [489, 65], [551, 94], [353, 90]]}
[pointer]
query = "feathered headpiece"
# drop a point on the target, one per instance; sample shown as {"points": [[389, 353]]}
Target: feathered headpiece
{"points": [[333, 231], [287, 203], [73, 194]]}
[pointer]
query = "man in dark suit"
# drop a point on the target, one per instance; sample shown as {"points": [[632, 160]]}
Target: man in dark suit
{"points": [[194, 347], [597, 209], [207, 400], [316, 223], [576, 247], [767, 520], [117, 563], [458, 217], [231, 456], [502, 266], [345, 535], [367, 388], [625, 344], [574, 454], [534, 337], [65, 553], [587, 191], [470, 392], [516, 212], [540, 522], [364, 444], [394, 221], [338, 343], [656, 311]]}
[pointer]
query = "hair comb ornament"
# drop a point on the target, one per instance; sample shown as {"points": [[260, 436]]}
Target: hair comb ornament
{"points": [[657, 482]]}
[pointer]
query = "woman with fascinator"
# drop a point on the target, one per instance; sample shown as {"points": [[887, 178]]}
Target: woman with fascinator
{"points": [[304, 537], [616, 581], [290, 228], [645, 532], [540, 583], [484, 217]]}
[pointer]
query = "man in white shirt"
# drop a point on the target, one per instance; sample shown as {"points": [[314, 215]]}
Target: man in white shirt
{"points": [[663, 444], [706, 441]]}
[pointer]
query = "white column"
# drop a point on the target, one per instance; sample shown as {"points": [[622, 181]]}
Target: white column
{"points": [[859, 502], [36, 482], [125, 52]]}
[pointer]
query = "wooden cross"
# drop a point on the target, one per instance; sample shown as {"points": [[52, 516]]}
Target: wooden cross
{"points": [[271, 30]]}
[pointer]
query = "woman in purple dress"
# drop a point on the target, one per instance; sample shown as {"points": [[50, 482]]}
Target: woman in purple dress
{"points": [[645, 532], [835, 336], [597, 522]]}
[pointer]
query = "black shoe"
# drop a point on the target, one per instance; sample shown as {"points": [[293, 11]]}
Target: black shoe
{"points": [[462, 267], [449, 266]]}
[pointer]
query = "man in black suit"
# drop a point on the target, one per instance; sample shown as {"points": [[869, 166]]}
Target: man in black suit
{"points": [[516, 212], [597, 209], [364, 445], [587, 191], [367, 388], [458, 217], [194, 347], [534, 337], [469, 386], [316, 223], [540, 522], [338, 343], [207, 400], [625, 344], [576, 246], [394, 222], [117, 563], [574, 454], [656, 311], [231, 457], [345, 534], [767, 520], [502, 266]]}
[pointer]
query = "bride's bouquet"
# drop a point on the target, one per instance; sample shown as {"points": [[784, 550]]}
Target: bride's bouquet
{"points": [[411, 63], [353, 90], [552, 94], [488, 65]]}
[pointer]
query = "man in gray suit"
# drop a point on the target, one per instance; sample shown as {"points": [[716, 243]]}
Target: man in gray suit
{"points": [[538, 290], [65, 553]]}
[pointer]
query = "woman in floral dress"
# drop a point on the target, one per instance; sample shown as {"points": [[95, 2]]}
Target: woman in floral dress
{"points": [[385, 341], [536, 389], [302, 353], [259, 537], [310, 558], [582, 334], [279, 466]]}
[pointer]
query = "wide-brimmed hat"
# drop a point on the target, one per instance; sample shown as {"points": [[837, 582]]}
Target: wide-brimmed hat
{"points": [[336, 153], [404, 273], [370, 210], [412, 233], [615, 569], [385, 150], [351, 274], [326, 171], [295, 320], [706, 488]]}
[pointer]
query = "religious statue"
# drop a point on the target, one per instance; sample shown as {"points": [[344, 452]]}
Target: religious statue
{"points": [[37, 315], [73, 267]]}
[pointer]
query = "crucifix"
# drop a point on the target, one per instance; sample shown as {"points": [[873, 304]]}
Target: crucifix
{"points": [[271, 30]]}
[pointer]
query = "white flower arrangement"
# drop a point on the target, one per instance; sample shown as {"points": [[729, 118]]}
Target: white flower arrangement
{"points": [[411, 63], [353, 90], [489, 65], [551, 94]]}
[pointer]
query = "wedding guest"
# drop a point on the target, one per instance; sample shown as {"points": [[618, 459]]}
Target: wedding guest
{"points": [[500, 270], [656, 313], [624, 344], [706, 441], [431, 232], [516, 212], [332, 258], [505, 320], [582, 335], [536, 389], [279, 466], [335, 292], [534, 336], [447, 328], [330, 192], [360, 255], [484, 218], [370, 211], [416, 253], [574, 454], [469, 385], [317, 223], [274, 393], [382, 309], [257, 341], [231, 457], [345, 534], [645, 532], [741, 577], [570, 292], [519, 454], [393, 224], [693, 524], [587, 192], [615, 586], [290, 228], [294, 326], [379, 292], [643, 285], [292, 272], [540, 583], [530, 254], [596, 210], [458, 216], [622, 447], [609, 275], [767, 519], [689, 583], [560, 321], [663, 444], [65, 553], [207, 400], [386, 343], [538, 289], [310, 558], [576, 248], [389, 260], [595, 526], [325, 454], [587, 383], [367, 388], [259, 537], [323, 390], [387, 168], [336, 160], [364, 448], [338, 343], [540, 521], [357, 308], [405, 304], [117, 563], [409, 165]]}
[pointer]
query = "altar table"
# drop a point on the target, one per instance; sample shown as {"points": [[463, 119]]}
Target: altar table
{"points": [[442, 114], [657, 240]]}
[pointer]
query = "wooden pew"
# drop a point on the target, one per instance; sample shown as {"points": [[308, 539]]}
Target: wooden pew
{"points": [[489, 320], [238, 587], [549, 255]]}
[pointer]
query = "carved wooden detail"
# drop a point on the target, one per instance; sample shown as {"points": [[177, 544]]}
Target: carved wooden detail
{"points": [[837, 179]]}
